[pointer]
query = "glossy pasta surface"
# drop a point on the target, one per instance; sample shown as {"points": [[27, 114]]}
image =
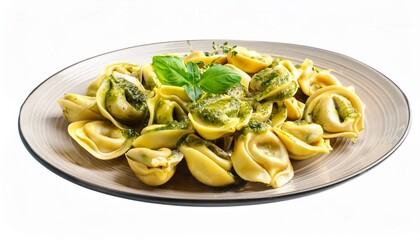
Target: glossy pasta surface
{"points": [[233, 115]]}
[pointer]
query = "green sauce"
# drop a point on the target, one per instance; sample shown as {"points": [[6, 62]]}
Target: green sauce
{"points": [[132, 94], [192, 140], [301, 122], [171, 126], [288, 92], [212, 116], [344, 108], [275, 82], [134, 111], [167, 111], [238, 91], [130, 133], [315, 113], [253, 127], [217, 110]]}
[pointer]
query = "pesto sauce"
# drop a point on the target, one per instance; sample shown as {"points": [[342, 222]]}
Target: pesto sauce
{"points": [[257, 127], [265, 76], [217, 109], [253, 127], [344, 108], [301, 122], [244, 111], [263, 106], [271, 79], [120, 88], [212, 116], [315, 113], [174, 125], [261, 59], [288, 92], [192, 140], [129, 133], [113, 93], [276, 82], [276, 62], [132, 94], [238, 91], [167, 111], [232, 108]]}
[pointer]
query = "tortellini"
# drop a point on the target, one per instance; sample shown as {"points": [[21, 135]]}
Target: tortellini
{"points": [[275, 83], [162, 135], [262, 111], [167, 124], [174, 93], [260, 156], [101, 139], [150, 79], [248, 60], [131, 72], [164, 108], [123, 103], [208, 163], [313, 78], [302, 139], [338, 110], [288, 65], [153, 167], [253, 130], [78, 107], [167, 111], [200, 57], [289, 109], [239, 92], [220, 115]]}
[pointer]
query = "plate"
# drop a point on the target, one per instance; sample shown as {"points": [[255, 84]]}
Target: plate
{"points": [[43, 131]]}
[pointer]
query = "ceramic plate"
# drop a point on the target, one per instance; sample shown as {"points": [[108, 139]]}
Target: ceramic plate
{"points": [[43, 130]]}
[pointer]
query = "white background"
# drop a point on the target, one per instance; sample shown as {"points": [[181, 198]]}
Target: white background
{"points": [[39, 38]]}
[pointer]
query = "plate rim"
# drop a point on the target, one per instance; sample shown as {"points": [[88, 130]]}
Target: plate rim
{"points": [[216, 202]]}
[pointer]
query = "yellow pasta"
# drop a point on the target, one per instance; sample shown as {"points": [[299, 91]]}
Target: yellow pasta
{"points": [[248, 60], [131, 72], [302, 139], [313, 78], [338, 110], [260, 156], [233, 115], [162, 135], [78, 107], [217, 116], [153, 167], [208, 163], [101, 139]]}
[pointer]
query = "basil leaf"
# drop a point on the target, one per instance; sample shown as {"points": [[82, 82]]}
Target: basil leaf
{"points": [[193, 91], [170, 70], [194, 72], [218, 79]]}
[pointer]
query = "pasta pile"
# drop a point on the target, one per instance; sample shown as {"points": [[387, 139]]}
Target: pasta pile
{"points": [[237, 114]]}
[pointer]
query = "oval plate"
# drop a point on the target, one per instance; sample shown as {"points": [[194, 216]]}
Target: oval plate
{"points": [[43, 130]]}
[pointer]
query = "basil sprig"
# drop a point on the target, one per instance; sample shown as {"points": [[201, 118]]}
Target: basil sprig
{"points": [[171, 70]]}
